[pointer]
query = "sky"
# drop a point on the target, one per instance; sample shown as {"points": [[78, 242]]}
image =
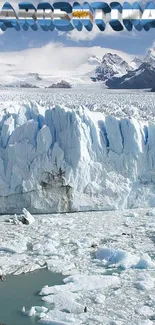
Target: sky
{"points": [[134, 43]]}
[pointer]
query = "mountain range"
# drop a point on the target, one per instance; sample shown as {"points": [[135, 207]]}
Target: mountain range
{"points": [[111, 65], [107, 69], [119, 74], [140, 78]]}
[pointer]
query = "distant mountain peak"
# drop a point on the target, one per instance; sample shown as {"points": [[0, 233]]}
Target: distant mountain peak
{"points": [[110, 55], [94, 60], [140, 78], [136, 62], [110, 66], [150, 56]]}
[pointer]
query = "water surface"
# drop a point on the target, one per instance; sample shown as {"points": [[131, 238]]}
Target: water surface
{"points": [[23, 290]]}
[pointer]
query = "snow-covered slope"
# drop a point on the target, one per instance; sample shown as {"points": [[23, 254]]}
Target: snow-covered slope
{"points": [[150, 57], [110, 66], [15, 79], [140, 78], [94, 60], [59, 159], [72, 64]]}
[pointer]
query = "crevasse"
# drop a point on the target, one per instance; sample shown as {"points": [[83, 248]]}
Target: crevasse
{"points": [[57, 160]]}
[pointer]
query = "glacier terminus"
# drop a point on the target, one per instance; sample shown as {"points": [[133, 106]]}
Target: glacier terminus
{"points": [[57, 159]]}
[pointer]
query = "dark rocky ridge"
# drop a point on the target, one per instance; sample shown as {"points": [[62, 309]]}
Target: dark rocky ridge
{"points": [[141, 78], [61, 84]]}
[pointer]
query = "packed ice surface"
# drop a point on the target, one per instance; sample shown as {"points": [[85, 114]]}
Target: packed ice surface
{"points": [[107, 259], [70, 157]]}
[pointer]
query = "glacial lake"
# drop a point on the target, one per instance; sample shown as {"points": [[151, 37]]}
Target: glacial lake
{"points": [[23, 290]]}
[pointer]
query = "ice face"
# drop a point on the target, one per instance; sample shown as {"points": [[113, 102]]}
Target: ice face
{"points": [[57, 159]]}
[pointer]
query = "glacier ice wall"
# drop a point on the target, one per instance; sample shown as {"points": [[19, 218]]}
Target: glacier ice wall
{"points": [[57, 160]]}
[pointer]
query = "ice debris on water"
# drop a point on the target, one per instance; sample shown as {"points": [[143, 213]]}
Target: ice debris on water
{"points": [[28, 218], [35, 311], [25, 218]]}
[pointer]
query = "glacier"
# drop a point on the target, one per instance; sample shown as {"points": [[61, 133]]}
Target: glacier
{"points": [[58, 159]]}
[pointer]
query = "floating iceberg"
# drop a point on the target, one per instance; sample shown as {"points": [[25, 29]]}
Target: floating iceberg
{"points": [[123, 259], [35, 311]]}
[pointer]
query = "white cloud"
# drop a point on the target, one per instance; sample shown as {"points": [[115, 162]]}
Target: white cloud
{"points": [[55, 57], [85, 35]]}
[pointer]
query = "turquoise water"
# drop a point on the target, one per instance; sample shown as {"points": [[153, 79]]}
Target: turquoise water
{"points": [[23, 290]]}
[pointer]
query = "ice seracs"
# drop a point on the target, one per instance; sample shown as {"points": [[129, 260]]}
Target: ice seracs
{"points": [[44, 140], [8, 128], [60, 159]]}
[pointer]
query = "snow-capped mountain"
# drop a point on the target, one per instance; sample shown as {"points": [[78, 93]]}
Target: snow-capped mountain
{"points": [[150, 57], [75, 65], [94, 60], [113, 70], [110, 66], [16, 79], [91, 67], [61, 84], [136, 62], [140, 78]]}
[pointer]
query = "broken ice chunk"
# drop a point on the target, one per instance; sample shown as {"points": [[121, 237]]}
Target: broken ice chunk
{"points": [[28, 218]]}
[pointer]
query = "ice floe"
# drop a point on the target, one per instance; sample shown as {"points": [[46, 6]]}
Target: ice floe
{"points": [[39, 311], [123, 259]]}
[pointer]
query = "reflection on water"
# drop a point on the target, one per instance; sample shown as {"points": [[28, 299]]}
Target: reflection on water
{"points": [[23, 290]]}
